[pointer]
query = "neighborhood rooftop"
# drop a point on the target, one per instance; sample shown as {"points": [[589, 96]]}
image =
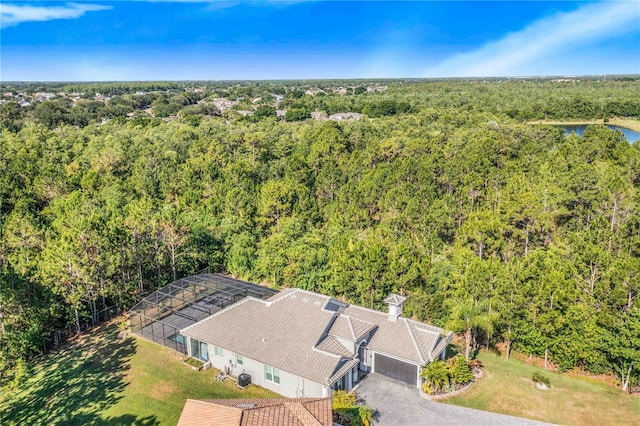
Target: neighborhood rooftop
{"points": [[257, 412]]}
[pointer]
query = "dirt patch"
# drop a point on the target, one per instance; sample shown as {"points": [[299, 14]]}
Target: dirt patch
{"points": [[161, 390]]}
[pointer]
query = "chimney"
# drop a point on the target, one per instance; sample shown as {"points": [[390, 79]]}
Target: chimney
{"points": [[394, 302]]}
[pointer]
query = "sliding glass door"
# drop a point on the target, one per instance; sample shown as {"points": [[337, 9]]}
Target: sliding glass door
{"points": [[199, 350]]}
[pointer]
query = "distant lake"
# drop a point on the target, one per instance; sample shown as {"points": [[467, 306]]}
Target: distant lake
{"points": [[631, 135]]}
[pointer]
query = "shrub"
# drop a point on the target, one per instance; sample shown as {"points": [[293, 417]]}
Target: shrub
{"points": [[539, 378], [461, 371], [436, 377], [348, 411], [343, 399]]}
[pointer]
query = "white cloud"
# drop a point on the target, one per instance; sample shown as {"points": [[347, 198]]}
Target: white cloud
{"points": [[12, 14], [539, 48]]}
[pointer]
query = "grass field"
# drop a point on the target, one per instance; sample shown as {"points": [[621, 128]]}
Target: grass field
{"points": [[628, 123], [103, 379], [506, 387]]}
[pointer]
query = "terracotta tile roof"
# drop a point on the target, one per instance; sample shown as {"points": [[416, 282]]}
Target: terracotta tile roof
{"points": [[258, 412], [202, 413]]}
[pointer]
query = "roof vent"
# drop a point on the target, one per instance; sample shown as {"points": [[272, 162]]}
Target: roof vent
{"points": [[394, 302], [246, 406]]}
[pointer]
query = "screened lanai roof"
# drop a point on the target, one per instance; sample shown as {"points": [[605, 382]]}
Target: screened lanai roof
{"points": [[186, 301]]}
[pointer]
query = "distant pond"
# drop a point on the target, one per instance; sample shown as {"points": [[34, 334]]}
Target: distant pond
{"points": [[631, 135]]}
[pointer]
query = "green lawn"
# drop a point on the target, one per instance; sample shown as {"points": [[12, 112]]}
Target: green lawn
{"points": [[102, 379], [507, 388]]}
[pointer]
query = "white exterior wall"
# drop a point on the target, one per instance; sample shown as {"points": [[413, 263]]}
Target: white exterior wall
{"points": [[221, 362], [291, 385]]}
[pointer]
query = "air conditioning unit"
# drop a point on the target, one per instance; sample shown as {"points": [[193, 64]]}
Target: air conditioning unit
{"points": [[244, 380]]}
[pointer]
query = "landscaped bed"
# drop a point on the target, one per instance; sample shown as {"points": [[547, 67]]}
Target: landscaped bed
{"points": [[101, 378], [195, 364]]}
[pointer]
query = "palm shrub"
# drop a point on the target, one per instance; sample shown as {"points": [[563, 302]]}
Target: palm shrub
{"points": [[440, 376], [436, 377]]}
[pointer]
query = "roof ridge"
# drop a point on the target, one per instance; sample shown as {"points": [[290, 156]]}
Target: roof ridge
{"points": [[368, 309], [353, 331], [419, 324], [315, 348], [415, 342], [282, 296], [303, 414], [359, 319]]}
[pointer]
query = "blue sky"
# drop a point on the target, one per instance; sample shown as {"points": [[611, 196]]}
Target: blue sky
{"points": [[207, 40]]}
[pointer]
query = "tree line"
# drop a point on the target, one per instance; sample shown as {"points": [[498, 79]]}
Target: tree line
{"points": [[510, 234]]}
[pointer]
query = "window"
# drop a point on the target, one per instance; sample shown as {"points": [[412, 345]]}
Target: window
{"points": [[272, 374], [219, 352], [239, 359], [199, 350]]}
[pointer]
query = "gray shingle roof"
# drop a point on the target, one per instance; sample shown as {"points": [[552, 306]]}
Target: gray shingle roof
{"points": [[395, 299], [331, 344], [348, 365], [294, 332], [350, 328], [281, 332], [404, 338]]}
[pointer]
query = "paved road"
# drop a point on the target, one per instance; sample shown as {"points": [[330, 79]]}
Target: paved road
{"points": [[401, 404]]}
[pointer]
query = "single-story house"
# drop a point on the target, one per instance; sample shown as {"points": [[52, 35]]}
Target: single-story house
{"points": [[257, 412], [303, 344]]}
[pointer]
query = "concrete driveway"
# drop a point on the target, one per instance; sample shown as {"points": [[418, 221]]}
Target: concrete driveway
{"points": [[398, 403]]}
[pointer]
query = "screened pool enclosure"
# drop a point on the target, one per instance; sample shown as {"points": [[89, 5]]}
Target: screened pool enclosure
{"points": [[160, 316]]}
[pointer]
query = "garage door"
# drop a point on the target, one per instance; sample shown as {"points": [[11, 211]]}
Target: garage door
{"points": [[396, 369]]}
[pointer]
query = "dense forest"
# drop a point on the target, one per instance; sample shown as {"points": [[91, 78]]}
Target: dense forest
{"points": [[508, 233]]}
